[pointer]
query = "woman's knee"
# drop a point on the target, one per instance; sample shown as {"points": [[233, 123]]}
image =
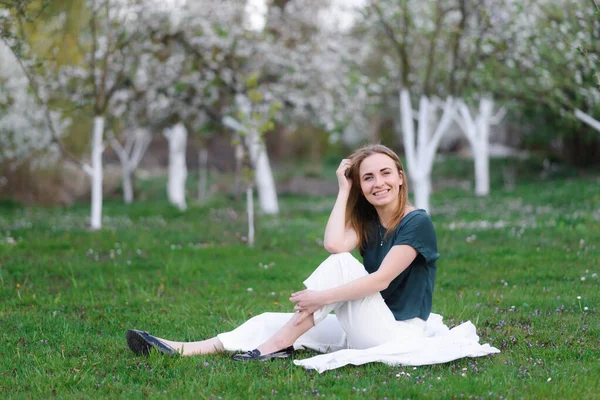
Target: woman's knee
{"points": [[263, 318], [347, 261], [269, 320], [341, 265], [340, 256]]}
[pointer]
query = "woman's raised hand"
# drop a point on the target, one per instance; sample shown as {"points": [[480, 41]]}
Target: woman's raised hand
{"points": [[343, 181]]}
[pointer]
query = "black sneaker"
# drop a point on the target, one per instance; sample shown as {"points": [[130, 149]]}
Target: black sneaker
{"points": [[254, 355], [141, 342]]}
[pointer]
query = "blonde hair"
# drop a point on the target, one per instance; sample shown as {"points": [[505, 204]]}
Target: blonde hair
{"points": [[359, 212]]}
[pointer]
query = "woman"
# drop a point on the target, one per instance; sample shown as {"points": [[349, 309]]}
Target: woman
{"points": [[387, 300]]}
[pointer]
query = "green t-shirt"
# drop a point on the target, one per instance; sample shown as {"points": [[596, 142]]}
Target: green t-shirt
{"points": [[410, 294]]}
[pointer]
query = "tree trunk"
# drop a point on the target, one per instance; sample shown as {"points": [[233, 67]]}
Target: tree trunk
{"points": [[127, 184], [239, 159], [96, 173], [202, 173], [482, 173], [130, 156], [420, 155], [477, 131], [265, 184], [482, 155], [250, 210], [177, 137], [422, 190]]}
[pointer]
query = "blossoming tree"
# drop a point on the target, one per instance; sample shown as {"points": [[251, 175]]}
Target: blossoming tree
{"points": [[436, 49], [27, 125]]}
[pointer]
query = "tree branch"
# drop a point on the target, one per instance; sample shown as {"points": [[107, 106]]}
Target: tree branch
{"points": [[117, 147], [456, 47], [430, 57], [101, 99], [399, 46], [405, 30], [587, 119], [473, 60], [92, 60], [47, 116], [499, 116]]}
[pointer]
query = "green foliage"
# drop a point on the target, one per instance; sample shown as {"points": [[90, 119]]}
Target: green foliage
{"points": [[68, 295], [252, 82], [563, 78]]}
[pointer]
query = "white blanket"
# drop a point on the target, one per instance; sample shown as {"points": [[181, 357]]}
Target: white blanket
{"points": [[437, 345]]}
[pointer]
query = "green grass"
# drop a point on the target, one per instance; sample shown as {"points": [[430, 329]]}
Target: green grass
{"points": [[514, 264]]}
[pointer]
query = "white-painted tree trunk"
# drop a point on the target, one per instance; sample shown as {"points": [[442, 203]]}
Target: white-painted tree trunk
{"points": [[127, 184], [239, 159], [202, 173], [96, 173], [250, 209], [422, 191], [177, 137], [594, 123], [130, 155], [420, 155], [265, 184], [477, 131], [482, 172]]}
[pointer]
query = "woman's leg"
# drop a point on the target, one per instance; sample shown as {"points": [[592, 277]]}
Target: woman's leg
{"points": [[367, 322], [208, 346], [287, 335], [277, 330], [271, 332]]}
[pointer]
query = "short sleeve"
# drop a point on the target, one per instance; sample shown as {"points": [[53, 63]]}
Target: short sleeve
{"points": [[416, 230]]}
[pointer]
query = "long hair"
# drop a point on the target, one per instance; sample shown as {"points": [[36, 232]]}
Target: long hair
{"points": [[360, 214]]}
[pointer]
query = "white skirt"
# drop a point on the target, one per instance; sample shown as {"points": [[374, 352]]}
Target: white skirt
{"points": [[361, 331]]}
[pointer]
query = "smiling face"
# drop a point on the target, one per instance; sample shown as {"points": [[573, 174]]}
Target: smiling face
{"points": [[380, 180]]}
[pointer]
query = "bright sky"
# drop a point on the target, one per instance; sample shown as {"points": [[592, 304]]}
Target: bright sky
{"points": [[257, 10], [341, 10]]}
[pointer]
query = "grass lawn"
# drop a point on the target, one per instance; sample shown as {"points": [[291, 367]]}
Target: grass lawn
{"points": [[522, 265]]}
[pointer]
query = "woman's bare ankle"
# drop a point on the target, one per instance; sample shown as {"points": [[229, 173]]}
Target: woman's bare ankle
{"points": [[273, 345]]}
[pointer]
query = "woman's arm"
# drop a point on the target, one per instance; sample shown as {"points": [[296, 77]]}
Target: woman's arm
{"points": [[338, 237], [396, 261]]}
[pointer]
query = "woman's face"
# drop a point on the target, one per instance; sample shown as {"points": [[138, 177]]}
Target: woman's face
{"points": [[379, 180]]}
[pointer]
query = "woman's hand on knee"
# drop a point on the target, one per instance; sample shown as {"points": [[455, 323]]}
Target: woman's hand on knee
{"points": [[308, 301]]}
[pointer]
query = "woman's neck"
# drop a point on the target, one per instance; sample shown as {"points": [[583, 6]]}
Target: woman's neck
{"points": [[386, 213]]}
